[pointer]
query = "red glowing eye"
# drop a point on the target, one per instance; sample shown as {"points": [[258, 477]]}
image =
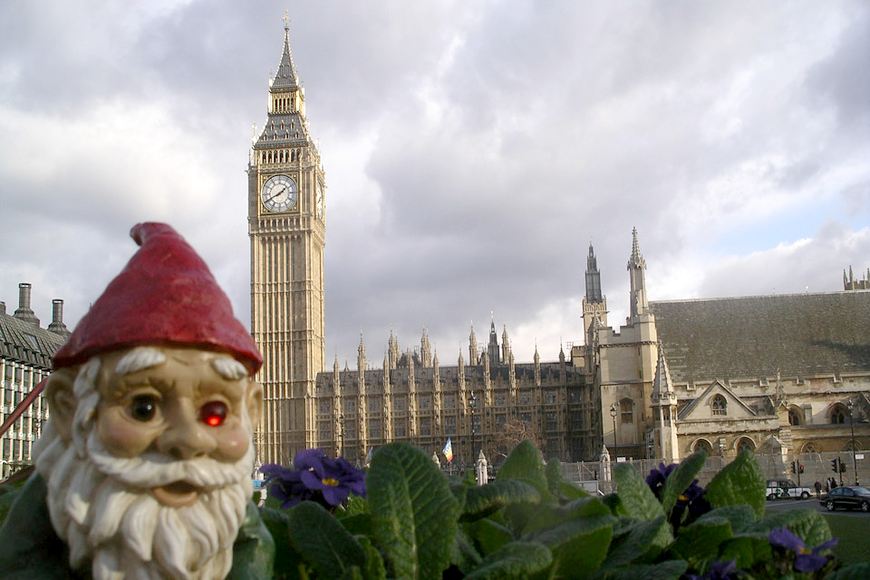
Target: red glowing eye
{"points": [[213, 414]]}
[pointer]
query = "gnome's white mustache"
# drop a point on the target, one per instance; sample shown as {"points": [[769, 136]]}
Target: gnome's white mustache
{"points": [[153, 469]]}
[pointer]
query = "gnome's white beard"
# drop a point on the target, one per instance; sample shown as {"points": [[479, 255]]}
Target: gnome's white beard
{"points": [[99, 505]]}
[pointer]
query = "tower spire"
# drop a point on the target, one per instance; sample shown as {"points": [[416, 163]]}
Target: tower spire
{"points": [[636, 266], [593, 277], [286, 77]]}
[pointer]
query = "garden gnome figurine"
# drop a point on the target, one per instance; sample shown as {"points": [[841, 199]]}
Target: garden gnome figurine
{"points": [[144, 468]]}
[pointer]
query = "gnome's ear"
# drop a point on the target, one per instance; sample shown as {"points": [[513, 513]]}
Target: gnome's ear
{"points": [[254, 402], [62, 400]]}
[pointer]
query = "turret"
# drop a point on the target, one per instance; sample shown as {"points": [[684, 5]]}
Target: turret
{"points": [[492, 348], [593, 278], [393, 348], [505, 345], [425, 350], [537, 367], [664, 408], [473, 352], [636, 266]]}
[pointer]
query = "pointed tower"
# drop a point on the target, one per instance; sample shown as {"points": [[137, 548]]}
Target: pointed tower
{"points": [[473, 353], [636, 266], [393, 346], [361, 401], [492, 348], [505, 344], [537, 367], [287, 229], [664, 408], [594, 304], [425, 350]]}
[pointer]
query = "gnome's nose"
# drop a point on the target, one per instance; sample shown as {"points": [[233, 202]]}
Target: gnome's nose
{"points": [[186, 439]]}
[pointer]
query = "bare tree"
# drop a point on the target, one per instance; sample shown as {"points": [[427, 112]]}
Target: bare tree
{"points": [[511, 434]]}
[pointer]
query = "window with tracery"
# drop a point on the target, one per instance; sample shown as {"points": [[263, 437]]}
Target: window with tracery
{"points": [[838, 415], [626, 411], [719, 406]]}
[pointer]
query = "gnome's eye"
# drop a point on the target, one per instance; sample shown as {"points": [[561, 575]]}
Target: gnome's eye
{"points": [[213, 414], [143, 408]]}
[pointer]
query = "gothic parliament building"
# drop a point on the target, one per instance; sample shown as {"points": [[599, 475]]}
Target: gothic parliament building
{"points": [[785, 374]]}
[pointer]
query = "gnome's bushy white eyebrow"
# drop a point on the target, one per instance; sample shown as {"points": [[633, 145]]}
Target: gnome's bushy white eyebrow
{"points": [[229, 368], [139, 359]]}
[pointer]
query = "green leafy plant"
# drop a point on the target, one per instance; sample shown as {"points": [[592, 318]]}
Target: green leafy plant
{"points": [[531, 523]]}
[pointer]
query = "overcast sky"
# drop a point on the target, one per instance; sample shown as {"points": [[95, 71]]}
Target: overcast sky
{"points": [[473, 150]]}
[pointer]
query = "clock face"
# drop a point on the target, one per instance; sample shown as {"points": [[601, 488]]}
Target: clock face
{"points": [[279, 193], [319, 201]]}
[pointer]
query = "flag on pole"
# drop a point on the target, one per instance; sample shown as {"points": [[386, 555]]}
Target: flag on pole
{"points": [[448, 451], [369, 456]]}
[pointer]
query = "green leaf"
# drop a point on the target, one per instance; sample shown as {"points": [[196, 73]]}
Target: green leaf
{"points": [[356, 505], [374, 567], [808, 525], [254, 549], [488, 535], [741, 516], [549, 515], [643, 542], [413, 511], [525, 464], [514, 560], [699, 542], [859, 571], [579, 545], [481, 501], [746, 549], [635, 495], [323, 540], [358, 525], [569, 491], [463, 553], [670, 570], [739, 482], [287, 559], [681, 478]]}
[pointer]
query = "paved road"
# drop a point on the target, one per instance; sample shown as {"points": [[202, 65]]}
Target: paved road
{"points": [[792, 504]]}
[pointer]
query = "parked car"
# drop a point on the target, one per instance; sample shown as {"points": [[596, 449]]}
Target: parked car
{"points": [[785, 489], [849, 497]]}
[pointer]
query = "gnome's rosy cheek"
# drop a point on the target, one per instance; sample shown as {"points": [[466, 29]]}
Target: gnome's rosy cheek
{"points": [[122, 435], [232, 441]]}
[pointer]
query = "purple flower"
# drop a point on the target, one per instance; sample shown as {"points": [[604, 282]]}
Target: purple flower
{"points": [[316, 477], [691, 498], [656, 478], [334, 478], [806, 559], [285, 485]]}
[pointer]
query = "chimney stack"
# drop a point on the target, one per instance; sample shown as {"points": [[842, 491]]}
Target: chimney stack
{"points": [[24, 312], [57, 326]]}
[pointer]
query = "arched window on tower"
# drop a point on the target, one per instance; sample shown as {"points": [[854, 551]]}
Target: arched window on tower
{"points": [[626, 411], [838, 414], [718, 405], [794, 416], [746, 444]]}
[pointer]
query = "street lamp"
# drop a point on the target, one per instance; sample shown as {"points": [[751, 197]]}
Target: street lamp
{"points": [[613, 417], [851, 406]]}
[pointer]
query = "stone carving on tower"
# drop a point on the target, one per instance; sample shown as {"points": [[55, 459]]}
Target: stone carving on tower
{"points": [[287, 229]]}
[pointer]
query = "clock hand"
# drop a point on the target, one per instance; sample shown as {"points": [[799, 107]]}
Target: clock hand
{"points": [[276, 194]]}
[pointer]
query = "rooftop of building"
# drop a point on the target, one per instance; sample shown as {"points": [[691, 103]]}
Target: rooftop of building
{"points": [[751, 337]]}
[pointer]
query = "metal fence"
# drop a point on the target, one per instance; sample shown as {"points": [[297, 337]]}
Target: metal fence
{"points": [[815, 467]]}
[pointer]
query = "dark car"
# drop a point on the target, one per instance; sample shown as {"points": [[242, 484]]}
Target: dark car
{"points": [[848, 497]]}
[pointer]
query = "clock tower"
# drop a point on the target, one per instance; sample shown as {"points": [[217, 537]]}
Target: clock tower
{"points": [[287, 228]]}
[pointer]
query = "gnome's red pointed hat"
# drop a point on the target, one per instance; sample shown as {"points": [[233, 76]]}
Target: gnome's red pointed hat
{"points": [[166, 295]]}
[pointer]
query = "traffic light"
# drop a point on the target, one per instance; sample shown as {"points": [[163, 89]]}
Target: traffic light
{"points": [[842, 465], [835, 466], [794, 467], [800, 467]]}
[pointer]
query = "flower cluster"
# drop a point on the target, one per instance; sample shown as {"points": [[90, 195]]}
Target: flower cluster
{"points": [[805, 559], [692, 498], [316, 477]]}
